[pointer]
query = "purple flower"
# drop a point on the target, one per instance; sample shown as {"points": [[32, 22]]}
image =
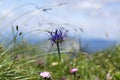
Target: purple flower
{"points": [[74, 70], [45, 74], [57, 36]]}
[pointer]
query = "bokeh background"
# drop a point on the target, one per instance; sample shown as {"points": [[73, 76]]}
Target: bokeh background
{"points": [[94, 24]]}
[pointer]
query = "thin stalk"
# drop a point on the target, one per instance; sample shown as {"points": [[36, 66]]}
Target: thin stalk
{"points": [[59, 55], [74, 76], [58, 48], [14, 60]]}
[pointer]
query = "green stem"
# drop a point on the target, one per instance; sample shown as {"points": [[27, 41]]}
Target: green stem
{"points": [[58, 48], [75, 76]]}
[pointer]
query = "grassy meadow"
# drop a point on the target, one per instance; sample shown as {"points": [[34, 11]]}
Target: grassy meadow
{"points": [[23, 61]]}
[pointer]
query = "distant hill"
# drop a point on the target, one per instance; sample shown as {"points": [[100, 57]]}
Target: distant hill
{"points": [[89, 45], [93, 45]]}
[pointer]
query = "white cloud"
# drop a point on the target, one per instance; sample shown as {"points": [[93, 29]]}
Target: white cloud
{"points": [[88, 5]]}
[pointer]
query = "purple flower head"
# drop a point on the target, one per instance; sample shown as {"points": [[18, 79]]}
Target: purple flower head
{"points": [[57, 36], [45, 75]]}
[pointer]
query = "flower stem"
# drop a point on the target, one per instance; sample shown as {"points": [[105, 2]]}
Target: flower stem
{"points": [[59, 55], [74, 76], [58, 48]]}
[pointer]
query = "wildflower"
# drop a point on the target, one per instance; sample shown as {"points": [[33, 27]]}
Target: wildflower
{"points": [[18, 57], [108, 76], [97, 78], [63, 79], [40, 62], [45, 75], [57, 36], [54, 64], [74, 70]]}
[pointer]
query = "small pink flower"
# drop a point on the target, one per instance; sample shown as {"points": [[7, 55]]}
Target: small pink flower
{"points": [[74, 70], [45, 74]]}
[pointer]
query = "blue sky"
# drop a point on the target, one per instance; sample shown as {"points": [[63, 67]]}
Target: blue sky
{"points": [[98, 18]]}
